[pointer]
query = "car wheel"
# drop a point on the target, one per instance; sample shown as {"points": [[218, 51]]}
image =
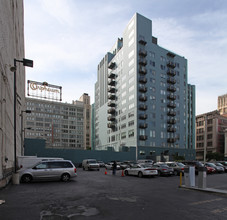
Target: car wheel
{"points": [[26, 178], [65, 177], [140, 174], [175, 173], [126, 172]]}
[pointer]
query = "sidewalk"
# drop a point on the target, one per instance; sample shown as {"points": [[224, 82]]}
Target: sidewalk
{"points": [[215, 183], [210, 190]]}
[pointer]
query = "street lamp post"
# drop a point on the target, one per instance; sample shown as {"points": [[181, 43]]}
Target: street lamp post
{"points": [[22, 123], [28, 63]]}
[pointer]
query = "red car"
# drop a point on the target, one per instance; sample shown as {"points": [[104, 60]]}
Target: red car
{"points": [[210, 170]]}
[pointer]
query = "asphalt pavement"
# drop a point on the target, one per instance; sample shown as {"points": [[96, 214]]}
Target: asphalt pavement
{"points": [[94, 195]]}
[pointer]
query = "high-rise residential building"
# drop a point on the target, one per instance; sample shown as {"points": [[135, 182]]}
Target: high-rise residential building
{"points": [[142, 97], [210, 134], [11, 47], [62, 125], [222, 104]]}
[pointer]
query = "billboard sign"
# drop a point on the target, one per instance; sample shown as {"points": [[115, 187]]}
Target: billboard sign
{"points": [[44, 90]]}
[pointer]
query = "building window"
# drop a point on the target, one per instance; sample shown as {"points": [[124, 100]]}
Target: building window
{"points": [[142, 152], [123, 135], [131, 133], [130, 123], [152, 133]]}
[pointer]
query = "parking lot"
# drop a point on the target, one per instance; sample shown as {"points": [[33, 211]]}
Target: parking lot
{"points": [[94, 195]]}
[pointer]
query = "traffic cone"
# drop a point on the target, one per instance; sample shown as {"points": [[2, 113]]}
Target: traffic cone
{"points": [[122, 173], [105, 172]]}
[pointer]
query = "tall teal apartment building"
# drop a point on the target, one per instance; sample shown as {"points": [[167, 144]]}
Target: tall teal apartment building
{"points": [[143, 99]]}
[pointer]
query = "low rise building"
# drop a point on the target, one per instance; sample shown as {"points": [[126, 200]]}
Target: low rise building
{"points": [[62, 125], [222, 104], [210, 133]]}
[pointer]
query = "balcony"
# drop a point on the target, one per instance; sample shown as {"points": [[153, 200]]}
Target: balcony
{"points": [[111, 125], [171, 129], [171, 80], [142, 107], [111, 82], [111, 104], [143, 125], [143, 89], [171, 140], [143, 137], [112, 97], [143, 116], [143, 98], [143, 42], [111, 75], [171, 54], [112, 65], [111, 89], [142, 70], [143, 79], [171, 113], [142, 53], [111, 118], [143, 62], [111, 111], [171, 105], [171, 97], [171, 64], [171, 72], [171, 121], [171, 89]]}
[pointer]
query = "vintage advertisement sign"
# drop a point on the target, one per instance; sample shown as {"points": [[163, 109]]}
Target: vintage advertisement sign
{"points": [[44, 90]]}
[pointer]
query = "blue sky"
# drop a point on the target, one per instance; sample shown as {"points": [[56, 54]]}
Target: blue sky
{"points": [[68, 38]]}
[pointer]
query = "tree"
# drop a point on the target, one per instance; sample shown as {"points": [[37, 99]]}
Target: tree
{"points": [[215, 156]]}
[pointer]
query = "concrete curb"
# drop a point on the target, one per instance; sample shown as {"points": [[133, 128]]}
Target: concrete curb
{"points": [[210, 190]]}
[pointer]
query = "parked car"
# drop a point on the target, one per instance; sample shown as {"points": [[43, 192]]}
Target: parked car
{"points": [[177, 167], [141, 170], [109, 166], [210, 170], [196, 164], [49, 170], [125, 164], [219, 169], [90, 164], [221, 165], [163, 169], [224, 163], [101, 163], [146, 162]]}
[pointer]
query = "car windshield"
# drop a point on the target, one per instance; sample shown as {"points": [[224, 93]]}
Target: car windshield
{"points": [[180, 164], [219, 164], [210, 165], [92, 161], [200, 164], [163, 165]]}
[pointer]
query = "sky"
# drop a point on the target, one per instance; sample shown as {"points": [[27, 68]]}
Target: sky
{"points": [[68, 38]]}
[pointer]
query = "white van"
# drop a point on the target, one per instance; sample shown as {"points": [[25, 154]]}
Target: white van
{"points": [[24, 162], [90, 164]]}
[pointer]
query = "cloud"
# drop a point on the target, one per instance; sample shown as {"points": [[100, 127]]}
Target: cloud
{"points": [[67, 39]]}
